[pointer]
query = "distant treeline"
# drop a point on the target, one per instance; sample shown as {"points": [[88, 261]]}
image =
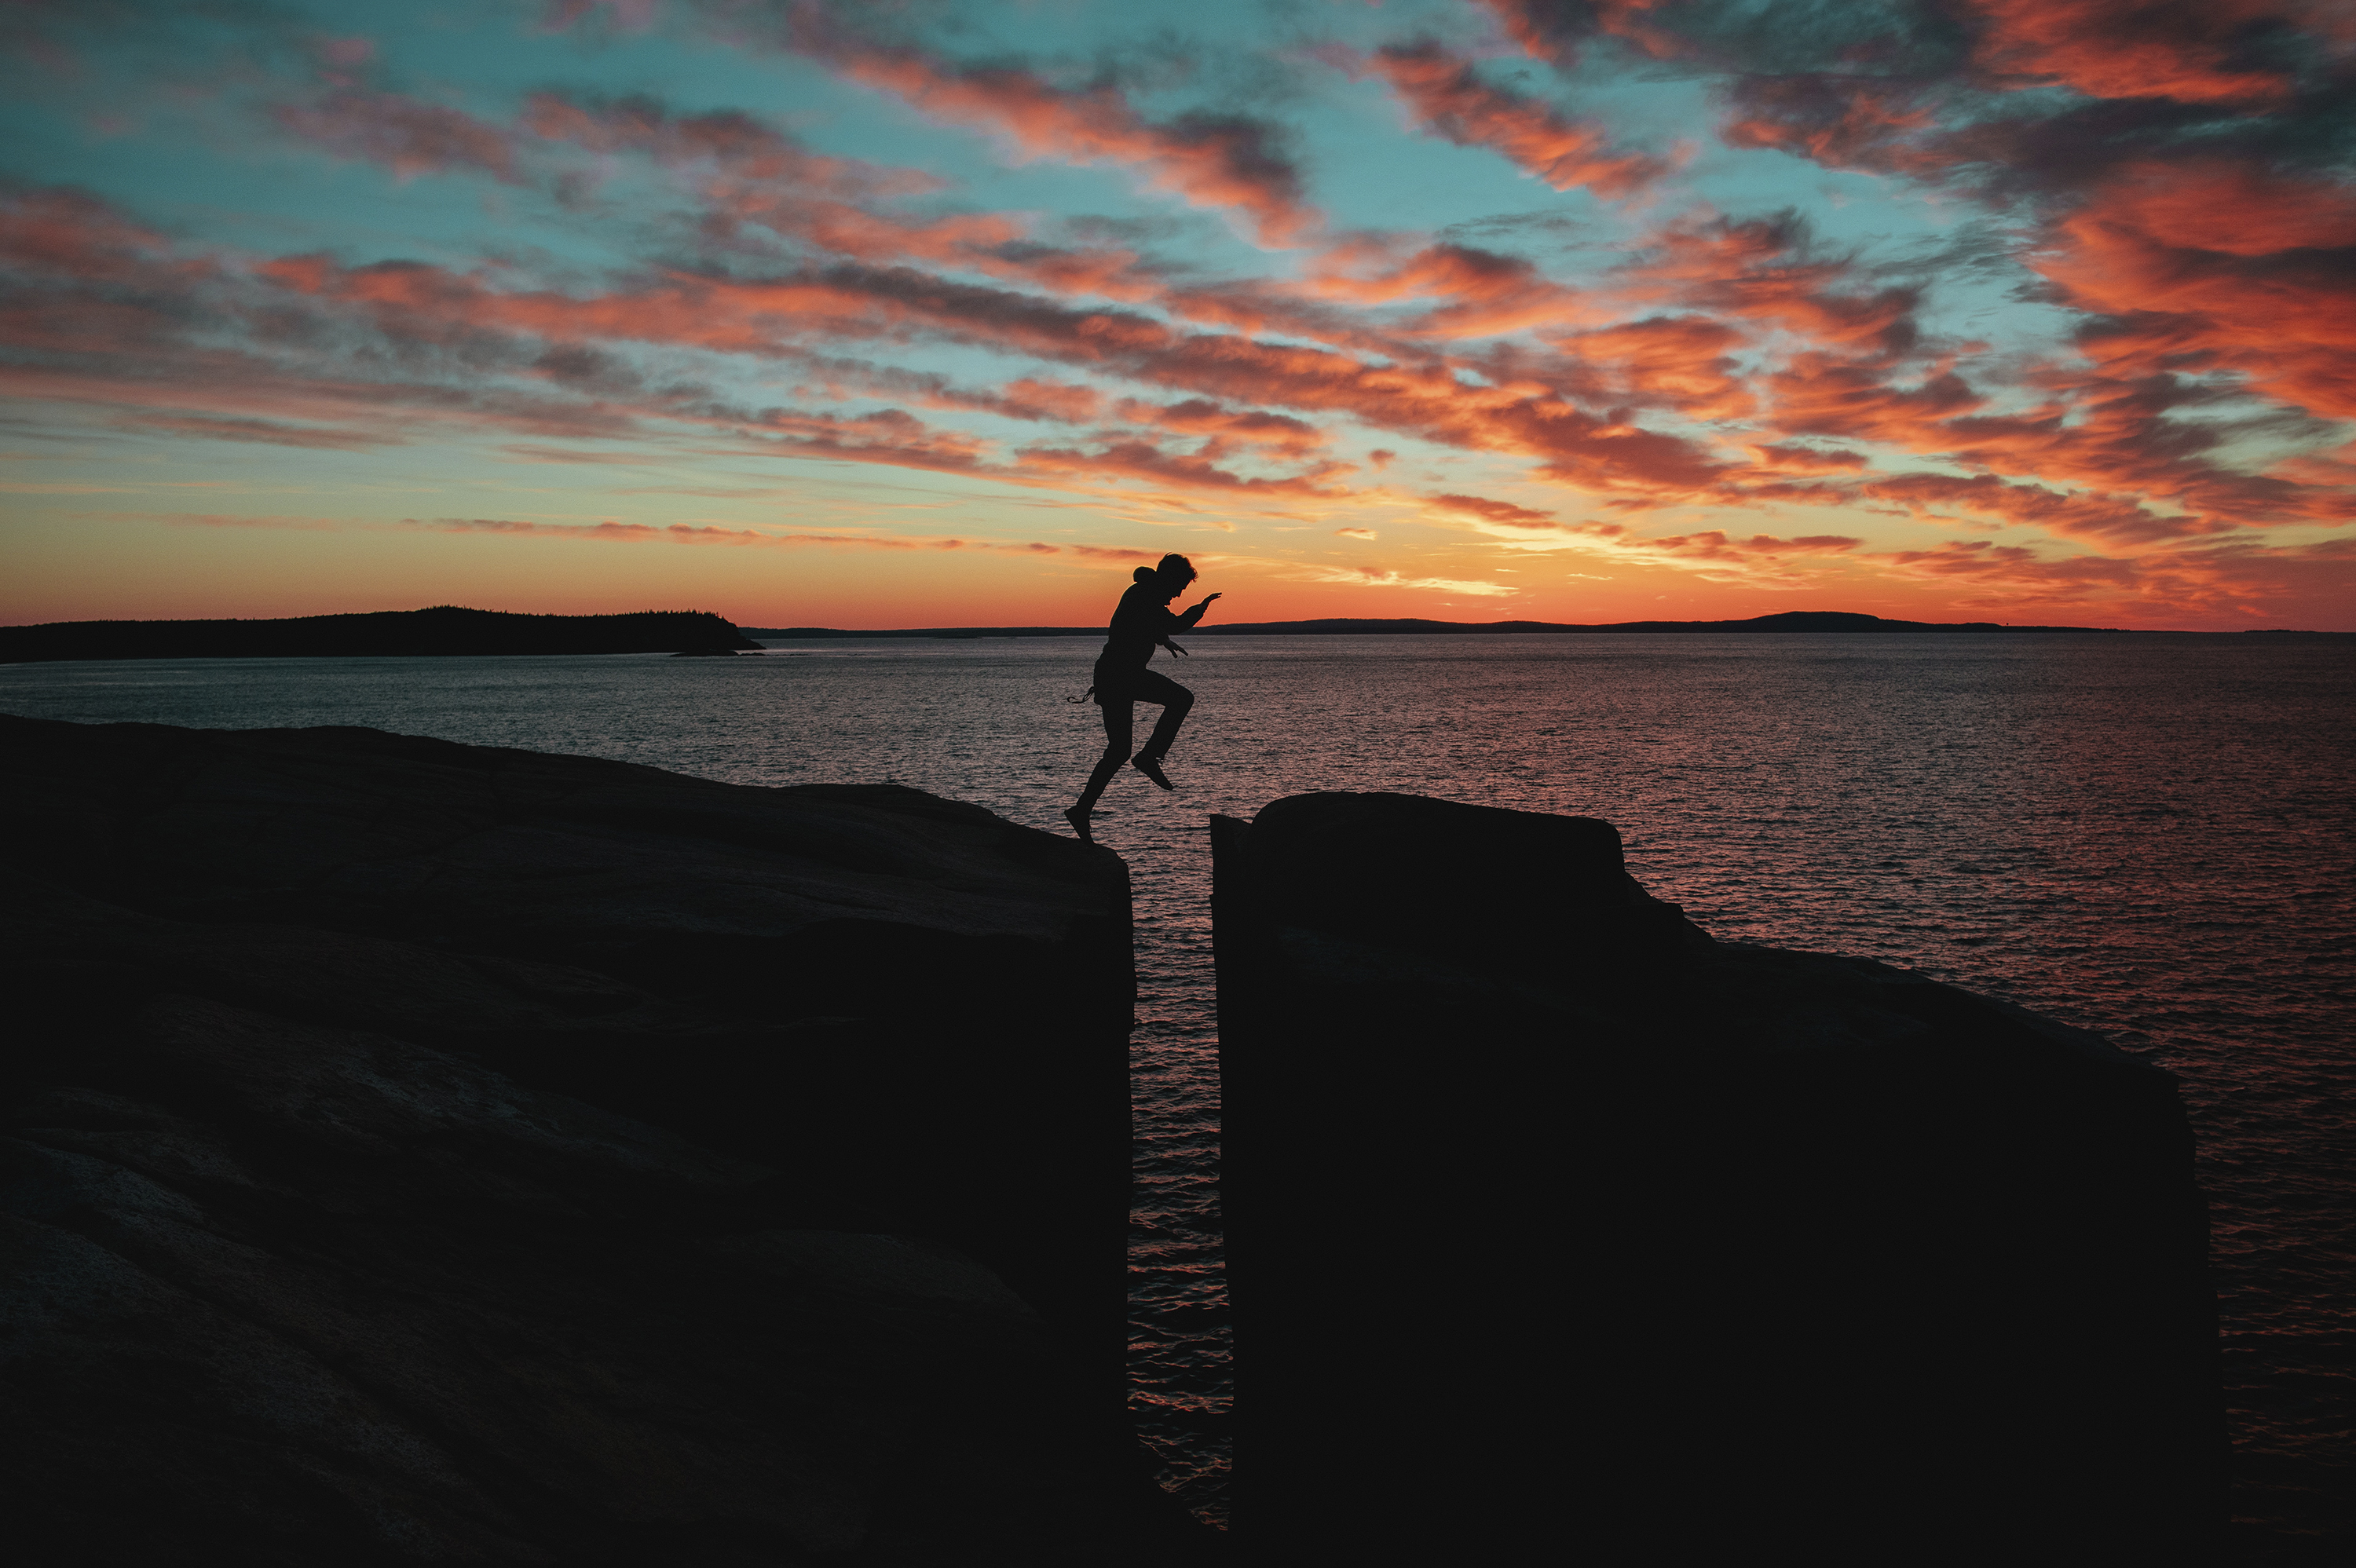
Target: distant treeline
{"points": [[1789, 621], [443, 630]]}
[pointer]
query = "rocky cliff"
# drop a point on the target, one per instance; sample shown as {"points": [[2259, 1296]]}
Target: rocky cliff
{"points": [[1553, 1221], [419, 1152]]}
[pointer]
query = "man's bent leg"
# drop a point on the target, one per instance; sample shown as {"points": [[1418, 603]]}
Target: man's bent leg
{"points": [[1120, 729], [1176, 701]]}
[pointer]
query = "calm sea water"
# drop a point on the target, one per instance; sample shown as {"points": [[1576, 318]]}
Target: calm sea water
{"points": [[2148, 838]]}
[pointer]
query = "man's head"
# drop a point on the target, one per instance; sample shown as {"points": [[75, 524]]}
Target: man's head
{"points": [[1172, 574]]}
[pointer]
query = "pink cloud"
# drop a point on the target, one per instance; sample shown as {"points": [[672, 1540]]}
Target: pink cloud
{"points": [[610, 532], [403, 135], [1223, 162], [1501, 512], [1447, 98]]}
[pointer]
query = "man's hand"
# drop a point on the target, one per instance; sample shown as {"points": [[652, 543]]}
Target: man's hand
{"points": [[1175, 648], [1206, 604]]}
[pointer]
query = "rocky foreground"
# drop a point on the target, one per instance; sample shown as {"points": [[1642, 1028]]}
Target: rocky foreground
{"points": [[422, 1152], [1550, 1220], [413, 1152]]}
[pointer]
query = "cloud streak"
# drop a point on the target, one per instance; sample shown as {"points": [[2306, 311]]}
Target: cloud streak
{"points": [[1224, 162], [611, 532], [1445, 97]]}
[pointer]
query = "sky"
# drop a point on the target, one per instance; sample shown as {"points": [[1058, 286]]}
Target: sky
{"points": [[906, 315]]}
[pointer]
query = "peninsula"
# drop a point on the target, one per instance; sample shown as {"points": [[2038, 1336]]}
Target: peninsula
{"points": [[445, 629]]}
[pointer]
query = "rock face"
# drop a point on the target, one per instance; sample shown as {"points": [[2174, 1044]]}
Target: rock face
{"points": [[426, 1152], [1551, 1219]]}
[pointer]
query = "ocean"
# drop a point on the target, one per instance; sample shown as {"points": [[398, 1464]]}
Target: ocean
{"points": [[2152, 838]]}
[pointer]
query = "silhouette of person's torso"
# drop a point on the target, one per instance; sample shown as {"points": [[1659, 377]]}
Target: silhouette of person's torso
{"points": [[1139, 623]]}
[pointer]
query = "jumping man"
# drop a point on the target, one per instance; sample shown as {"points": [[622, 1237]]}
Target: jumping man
{"points": [[1142, 622]]}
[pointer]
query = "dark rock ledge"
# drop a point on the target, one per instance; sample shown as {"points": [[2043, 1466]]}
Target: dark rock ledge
{"points": [[1556, 1228], [422, 1152]]}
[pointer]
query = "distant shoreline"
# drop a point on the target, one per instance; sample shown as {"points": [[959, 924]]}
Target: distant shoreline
{"points": [[442, 631], [1786, 623], [447, 631]]}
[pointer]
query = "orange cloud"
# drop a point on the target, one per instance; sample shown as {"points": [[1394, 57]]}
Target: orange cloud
{"points": [[1840, 122], [1820, 394], [1447, 98], [1028, 397], [1224, 162], [682, 533], [763, 317], [2087, 516], [1494, 293], [1143, 459], [117, 317], [746, 174], [1501, 512], [404, 135], [271, 432], [1761, 269], [1380, 576], [227, 520], [728, 143], [1985, 561], [1789, 459], [2218, 263], [1551, 30], [2192, 52], [2236, 581], [1277, 434], [1715, 545], [1679, 362]]}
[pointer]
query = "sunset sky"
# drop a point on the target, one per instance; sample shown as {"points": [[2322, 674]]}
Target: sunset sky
{"points": [[873, 315]]}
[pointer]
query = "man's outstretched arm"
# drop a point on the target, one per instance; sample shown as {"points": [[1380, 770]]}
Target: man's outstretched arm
{"points": [[1186, 621]]}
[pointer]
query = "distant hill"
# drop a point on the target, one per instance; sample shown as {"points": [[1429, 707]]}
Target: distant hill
{"points": [[1788, 621], [448, 630], [443, 630]]}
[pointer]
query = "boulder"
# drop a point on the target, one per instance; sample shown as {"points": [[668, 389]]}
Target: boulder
{"points": [[1551, 1219], [420, 1151]]}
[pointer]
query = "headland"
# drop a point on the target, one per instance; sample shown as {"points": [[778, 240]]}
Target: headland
{"points": [[443, 630]]}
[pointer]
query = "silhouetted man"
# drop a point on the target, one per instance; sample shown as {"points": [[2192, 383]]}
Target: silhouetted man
{"points": [[1142, 622]]}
